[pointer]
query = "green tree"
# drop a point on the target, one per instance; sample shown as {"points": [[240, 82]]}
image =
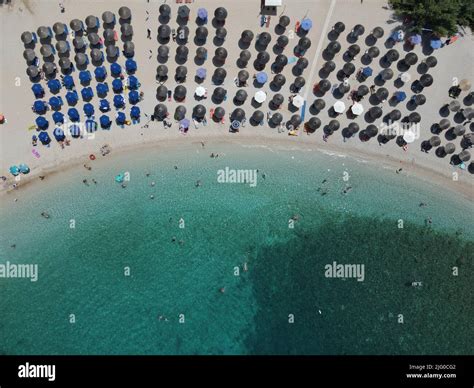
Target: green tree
{"points": [[443, 17]]}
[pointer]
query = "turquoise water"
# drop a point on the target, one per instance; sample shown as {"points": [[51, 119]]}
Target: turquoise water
{"points": [[177, 271]]}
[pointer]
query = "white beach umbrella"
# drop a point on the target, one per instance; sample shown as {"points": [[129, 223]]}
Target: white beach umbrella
{"points": [[357, 109], [298, 101], [405, 77], [339, 107], [260, 96], [200, 91], [409, 136]]}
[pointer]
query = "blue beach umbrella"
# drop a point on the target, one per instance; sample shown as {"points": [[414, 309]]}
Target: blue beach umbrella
{"points": [[75, 130], [71, 97], [202, 13], [184, 123], [54, 85], [88, 110], [58, 134], [306, 24], [436, 44], [120, 119], [118, 101], [133, 97], [201, 73], [68, 82], [105, 121], [117, 85], [400, 96], [42, 123], [87, 93], [130, 65], [14, 170], [135, 113], [24, 169], [367, 71], [39, 107], [91, 126], [133, 82], [115, 69], [55, 103], [262, 77], [38, 90], [100, 73], [397, 35], [44, 138], [104, 106], [85, 76], [415, 39], [102, 90], [58, 118], [73, 114]]}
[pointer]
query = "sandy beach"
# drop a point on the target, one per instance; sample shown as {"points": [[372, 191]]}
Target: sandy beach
{"points": [[17, 98]]}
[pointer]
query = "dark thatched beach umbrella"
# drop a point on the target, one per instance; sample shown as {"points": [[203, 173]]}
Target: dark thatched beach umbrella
{"points": [[348, 69], [414, 117], [276, 118], [358, 30], [180, 92], [221, 33], [219, 93], [238, 114], [263, 57], [164, 31], [79, 43], [96, 55], [334, 125], [353, 128], [333, 47], [32, 71], [459, 130], [49, 68], [219, 113], [43, 32], [80, 59], [468, 113], [94, 39], [199, 111], [339, 27], [241, 95], [319, 104], [411, 58], [247, 36], [243, 75], [129, 49], [299, 82], [29, 55], [386, 74], [258, 116], [180, 112], [381, 94], [377, 32], [219, 74], [362, 90], [182, 52], [392, 55], [201, 53], [284, 21], [162, 71], [444, 124], [454, 106], [163, 51], [59, 28], [426, 80], [279, 80], [65, 63], [126, 29], [161, 93], [181, 72], [371, 130], [281, 60], [108, 17], [329, 66], [27, 37], [277, 99], [435, 141], [109, 36], [395, 115], [165, 10], [264, 39], [125, 13], [220, 14], [202, 33], [245, 55], [295, 120], [431, 61], [465, 156], [283, 41], [449, 148], [304, 43], [302, 63], [375, 112], [344, 87], [419, 99], [324, 85], [76, 25], [373, 52], [112, 51], [221, 53], [160, 112], [91, 22], [313, 123], [353, 50]]}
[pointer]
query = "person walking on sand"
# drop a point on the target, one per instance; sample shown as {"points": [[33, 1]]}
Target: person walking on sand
{"points": [[148, 33]]}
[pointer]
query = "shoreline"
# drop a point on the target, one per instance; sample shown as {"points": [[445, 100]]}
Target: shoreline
{"points": [[421, 171]]}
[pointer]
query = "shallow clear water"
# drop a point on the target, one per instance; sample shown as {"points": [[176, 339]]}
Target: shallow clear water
{"points": [[81, 270]]}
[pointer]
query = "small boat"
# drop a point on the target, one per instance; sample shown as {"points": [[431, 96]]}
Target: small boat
{"points": [[45, 215]]}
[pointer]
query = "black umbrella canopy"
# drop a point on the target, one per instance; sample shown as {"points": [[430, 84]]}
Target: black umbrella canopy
{"points": [[334, 47], [319, 104], [277, 118], [279, 80], [220, 73], [465, 156], [329, 66], [377, 32], [91, 22], [344, 87], [373, 52], [125, 13], [221, 53], [180, 92], [112, 51], [459, 130], [348, 69], [219, 112], [220, 13], [46, 50], [160, 111], [392, 55], [202, 32], [126, 29], [313, 123], [165, 10], [264, 38], [431, 61], [339, 27], [129, 48], [426, 80], [245, 55], [353, 50], [221, 33], [238, 114], [247, 36], [162, 71], [181, 71], [324, 85], [304, 43], [295, 120], [334, 125], [27, 37], [283, 41], [278, 99], [96, 55], [76, 25], [243, 75], [32, 71], [163, 51], [164, 31], [435, 141], [182, 51], [219, 93], [395, 115], [241, 95], [263, 57], [281, 60], [183, 11], [375, 112], [258, 116], [65, 63], [299, 82], [108, 17], [411, 58], [161, 92], [284, 21], [59, 28], [362, 90], [109, 35], [49, 67], [419, 99], [358, 30], [29, 55], [43, 32], [78, 43], [302, 63], [386, 74], [414, 117], [371, 130], [180, 112], [381, 94], [201, 52], [353, 128], [199, 111], [94, 39]]}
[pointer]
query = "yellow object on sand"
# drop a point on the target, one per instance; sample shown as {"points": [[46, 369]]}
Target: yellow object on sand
{"points": [[292, 133], [31, 127]]}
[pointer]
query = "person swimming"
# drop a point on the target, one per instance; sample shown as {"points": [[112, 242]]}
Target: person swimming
{"points": [[198, 183]]}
